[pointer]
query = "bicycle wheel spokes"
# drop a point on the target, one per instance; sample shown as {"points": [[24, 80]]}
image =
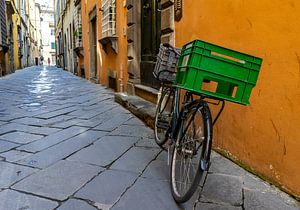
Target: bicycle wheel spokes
{"points": [[185, 169], [163, 116]]}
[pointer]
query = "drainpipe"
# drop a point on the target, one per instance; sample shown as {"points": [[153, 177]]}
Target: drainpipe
{"points": [[121, 79]]}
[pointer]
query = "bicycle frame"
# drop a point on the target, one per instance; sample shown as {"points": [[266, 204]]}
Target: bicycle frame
{"points": [[197, 104]]}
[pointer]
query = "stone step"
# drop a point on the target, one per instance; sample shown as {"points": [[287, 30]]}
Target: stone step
{"points": [[146, 92]]}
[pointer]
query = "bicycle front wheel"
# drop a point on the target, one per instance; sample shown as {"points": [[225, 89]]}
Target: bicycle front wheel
{"points": [[191, 149], [163, 116]]}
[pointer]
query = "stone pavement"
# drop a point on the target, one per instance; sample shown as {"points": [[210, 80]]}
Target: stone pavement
{"points": [[66, 145]]}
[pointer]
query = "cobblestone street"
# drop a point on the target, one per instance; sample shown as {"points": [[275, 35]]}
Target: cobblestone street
{"points": [[66, 145]]}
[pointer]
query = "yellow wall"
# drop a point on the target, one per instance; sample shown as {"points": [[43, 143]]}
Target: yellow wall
{"points": [[265, 135], [16, 22], [110, 60]]}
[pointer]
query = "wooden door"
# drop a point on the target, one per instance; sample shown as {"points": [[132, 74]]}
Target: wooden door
{"points": [[150, 40], [93, 57]]}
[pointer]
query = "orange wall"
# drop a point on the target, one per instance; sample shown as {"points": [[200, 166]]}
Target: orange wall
{"points": [[110, 60], [266, 134], [87, 6]]}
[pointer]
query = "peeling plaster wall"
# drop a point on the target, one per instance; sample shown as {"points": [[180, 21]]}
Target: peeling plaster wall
{"points": [[264, 136]]}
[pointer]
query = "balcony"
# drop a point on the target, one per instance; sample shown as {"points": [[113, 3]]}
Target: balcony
{"points": [[109, 27]]}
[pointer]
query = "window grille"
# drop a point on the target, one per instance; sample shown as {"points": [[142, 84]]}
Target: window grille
{"points": [[78, 27], [108, 18]]}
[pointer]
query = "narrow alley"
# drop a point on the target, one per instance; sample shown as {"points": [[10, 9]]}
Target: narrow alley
{"points": [[66, 145]]}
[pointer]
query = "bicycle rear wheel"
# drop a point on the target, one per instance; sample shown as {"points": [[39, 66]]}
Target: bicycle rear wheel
{"points": [[191, 151], [163, 116]]}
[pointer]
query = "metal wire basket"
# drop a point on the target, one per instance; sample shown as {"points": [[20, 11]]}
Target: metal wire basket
{"points": [[166, 64]]}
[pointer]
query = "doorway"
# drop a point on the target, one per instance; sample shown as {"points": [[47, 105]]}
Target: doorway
{"points": [[150, 40]]}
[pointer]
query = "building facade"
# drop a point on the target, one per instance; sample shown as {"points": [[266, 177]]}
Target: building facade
{"points": [[20, 31], [20, 36], [34, 33], [68, 34], [59, 38], [4, 46], [48, 35], [11, 11]]}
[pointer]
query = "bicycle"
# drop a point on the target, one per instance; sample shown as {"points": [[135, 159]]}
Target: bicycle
{"points": [[190, 127], [170, 123]]}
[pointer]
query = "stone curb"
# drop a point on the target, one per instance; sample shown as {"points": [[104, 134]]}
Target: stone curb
{"points": [[139, 107]]}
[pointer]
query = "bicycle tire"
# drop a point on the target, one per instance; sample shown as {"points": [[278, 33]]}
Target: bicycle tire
{"points": [[185, 146], [163, 116]]}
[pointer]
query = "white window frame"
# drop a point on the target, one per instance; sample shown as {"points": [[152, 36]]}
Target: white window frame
{"points": [[109, 17]]}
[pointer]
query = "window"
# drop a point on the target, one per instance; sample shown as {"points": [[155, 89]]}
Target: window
{"points": [[52, 32], [53, 45], [77, 27], [108, 18]]}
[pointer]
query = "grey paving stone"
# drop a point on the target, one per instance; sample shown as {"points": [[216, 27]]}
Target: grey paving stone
{"points": [[228, 190], [56, 113], [20, 137], [95, 107], [73, 204], [104, 151], [59, 181], [85, 114], [157, 170], [12, 116], [150, 194], [67, 123], [163, 156], [44, 131], [5, 146], [113, 122], [255, 200], [106, 188], [12, 200], [2, 123], [114, 110], [135, 121], [15, 155], [212, 206], [132, 130], [10, 127], [252, 182], [225, 166], [90, 123], [30, 121], [147, 142], [11, 173], [57, 119], [135, 160], [119, 109], [50, 108], [62, 150], [53, 139]]}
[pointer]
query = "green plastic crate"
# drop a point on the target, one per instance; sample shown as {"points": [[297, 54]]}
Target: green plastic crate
{"points": [[234, 73]]}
